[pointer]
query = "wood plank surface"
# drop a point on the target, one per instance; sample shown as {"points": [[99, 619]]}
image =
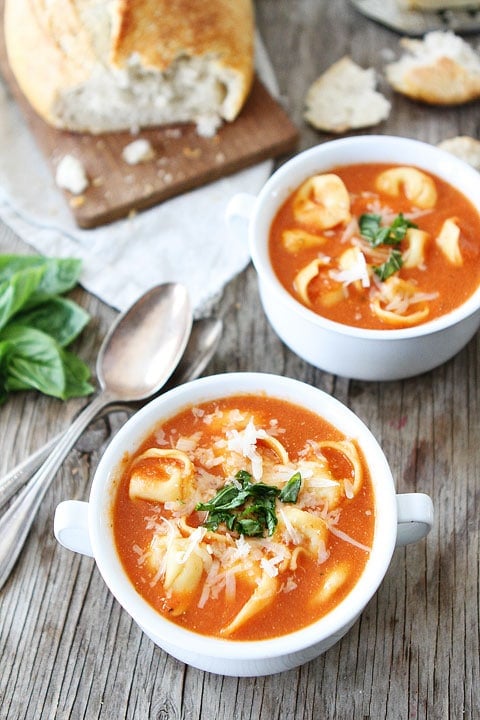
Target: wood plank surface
{"points": [[67, 650]]}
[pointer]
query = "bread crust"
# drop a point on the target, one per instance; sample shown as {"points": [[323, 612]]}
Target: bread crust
{"points": [[62, 43], [441, 70]]}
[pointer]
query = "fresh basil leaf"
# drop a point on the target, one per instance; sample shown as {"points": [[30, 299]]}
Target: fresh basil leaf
{"points": [[60, 276], [77, 375], [369, 225], [262, 490], [250, 527], [243, 477], [16, 291], [35, 362], [12, 264], [217, 517], [30, 286], [230, 496], [59, 317], [391, 266], [248, 507], [372, 229], [289, 493], [6, 348], [398, 229]]}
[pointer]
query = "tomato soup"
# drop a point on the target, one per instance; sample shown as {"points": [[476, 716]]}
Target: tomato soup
{"points": [[244, 518], [377, 246]]}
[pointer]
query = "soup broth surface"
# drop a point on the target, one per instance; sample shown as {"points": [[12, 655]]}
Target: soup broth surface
{"points": [[199, 572], [325, 254]]}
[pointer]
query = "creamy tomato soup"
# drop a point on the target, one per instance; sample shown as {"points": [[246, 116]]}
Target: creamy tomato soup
{"points": [[246, 517], [377, 246]]}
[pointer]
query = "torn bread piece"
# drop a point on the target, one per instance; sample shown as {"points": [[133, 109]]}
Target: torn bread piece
{"points": [[440, 69], [344, 98], [437, 4], [464, 147]]}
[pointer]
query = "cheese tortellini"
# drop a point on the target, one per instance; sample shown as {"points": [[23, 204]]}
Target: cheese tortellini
{"points": [[194, 560]]}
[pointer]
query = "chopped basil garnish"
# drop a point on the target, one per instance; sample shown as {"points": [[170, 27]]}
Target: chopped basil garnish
{"points": [[289, 494], [377, 234], [247, 507], [390, 266]]}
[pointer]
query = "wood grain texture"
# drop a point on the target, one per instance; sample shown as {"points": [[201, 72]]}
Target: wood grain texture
{"points": [[67, 650]]}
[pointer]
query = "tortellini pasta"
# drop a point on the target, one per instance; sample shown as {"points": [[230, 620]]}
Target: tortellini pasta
{"points": [[322, 202], [418, 187]]}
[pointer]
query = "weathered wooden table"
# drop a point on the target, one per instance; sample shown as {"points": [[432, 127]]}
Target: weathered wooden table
{"points": [[67, 648]]}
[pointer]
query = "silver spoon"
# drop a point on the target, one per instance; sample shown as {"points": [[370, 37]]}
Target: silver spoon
{"points": [[136, 358], [201, 346]]}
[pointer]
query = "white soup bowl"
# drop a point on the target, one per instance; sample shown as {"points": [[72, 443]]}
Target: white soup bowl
{"points": [[357, 353], [87, 528]]}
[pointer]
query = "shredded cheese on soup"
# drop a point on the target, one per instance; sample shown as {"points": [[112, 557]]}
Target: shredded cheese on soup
{"points": [[234, 514]]}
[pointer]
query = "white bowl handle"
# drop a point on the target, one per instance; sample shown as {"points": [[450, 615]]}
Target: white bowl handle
{"points": [[414, 517], [70, 526]]}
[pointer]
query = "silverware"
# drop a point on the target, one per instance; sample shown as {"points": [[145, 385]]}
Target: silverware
{"points": [[201, 346], [135, 360]]}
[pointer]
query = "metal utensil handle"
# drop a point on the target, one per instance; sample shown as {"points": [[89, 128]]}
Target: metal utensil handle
{"points": [[16, 478], [17, 520], [21, 473]]}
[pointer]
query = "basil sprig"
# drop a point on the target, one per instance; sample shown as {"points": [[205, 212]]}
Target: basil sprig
{"points": [[371, 229], [37, 324], [247, 507]]}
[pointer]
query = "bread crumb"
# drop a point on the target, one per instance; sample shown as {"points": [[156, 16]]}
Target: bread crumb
{"points": [[98, 181], [77, 201], [344, 98], [464, 147], [70, 175], [191, 152], [138, 151]]}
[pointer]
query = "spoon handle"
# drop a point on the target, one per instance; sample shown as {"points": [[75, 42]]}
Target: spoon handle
{"points": [[18, 476], [17, 520]]}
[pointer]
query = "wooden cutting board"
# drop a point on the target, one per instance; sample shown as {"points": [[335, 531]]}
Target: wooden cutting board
{"points": [[182, 161]]}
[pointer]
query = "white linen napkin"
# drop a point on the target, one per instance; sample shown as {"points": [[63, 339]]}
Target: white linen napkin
{"points": [[184, 239]]}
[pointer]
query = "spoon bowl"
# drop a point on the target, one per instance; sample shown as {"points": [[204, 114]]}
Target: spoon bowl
{"points": [[136, 358], [145, 344]]}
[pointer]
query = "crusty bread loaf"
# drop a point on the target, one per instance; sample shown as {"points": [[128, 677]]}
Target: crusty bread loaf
{"points": [[344, 98], [106, 66], [441, 69]]}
